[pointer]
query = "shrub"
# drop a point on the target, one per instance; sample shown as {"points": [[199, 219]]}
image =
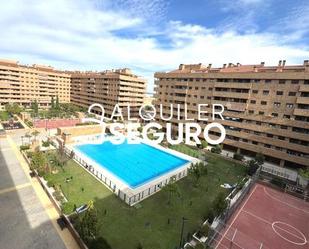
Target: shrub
{"points": [[24, 147], [45, 143], [217, 149], [278, 182], [29, 123], [211, 216], [204, 144], [238, 156], [101, 243], [304, 173], [50, 183]]}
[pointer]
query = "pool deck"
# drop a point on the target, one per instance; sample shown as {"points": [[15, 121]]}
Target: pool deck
{"points": [[115, 183]]}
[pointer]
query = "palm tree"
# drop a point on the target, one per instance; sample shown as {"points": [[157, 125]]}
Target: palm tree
{"points": [[35, 133]]}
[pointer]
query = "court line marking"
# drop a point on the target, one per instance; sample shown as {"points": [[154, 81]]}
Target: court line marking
{"points": [[15, 188], [293, 242], [270, 223], [236, 216], [290, 205]]}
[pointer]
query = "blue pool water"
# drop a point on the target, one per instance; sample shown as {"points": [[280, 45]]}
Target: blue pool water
{"points": [[134, 164]]}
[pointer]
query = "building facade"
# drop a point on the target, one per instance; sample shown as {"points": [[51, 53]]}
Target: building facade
{"points": [[24, 84], [266, 107], [108, 88]]}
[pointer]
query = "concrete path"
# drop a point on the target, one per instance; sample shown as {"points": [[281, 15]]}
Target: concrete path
{"points": [[27, 217]]}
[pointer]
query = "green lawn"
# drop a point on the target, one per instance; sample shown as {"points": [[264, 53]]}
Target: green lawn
{"points": [[4, 116], [156, 225]]}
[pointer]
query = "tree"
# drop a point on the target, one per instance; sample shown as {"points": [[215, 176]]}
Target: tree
{"points": [[196, 171], [52, 103], [259, 158], [219, 204], [252, 167], [38, 162], [35, 108], [57, 106], [88, 226], [13, 108], [172, 189]]}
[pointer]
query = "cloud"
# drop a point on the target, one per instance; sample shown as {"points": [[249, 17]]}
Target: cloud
{"points": [[81, 35]]}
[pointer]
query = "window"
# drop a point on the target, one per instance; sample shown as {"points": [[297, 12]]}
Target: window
{"points": [[251, 112], [267, 145], [196, 88], [257, 80], [210, 88], [267, 81], [279, 92], [290, 106], [265, 92], [292, 93], [269, 135], [263, 103], [281, 138], [255, 91], [287, 116], [281, 81], [252, 101], [294, 81], [306, 82], [261, 113], [277, 104], [274, 114], [284, 127]]}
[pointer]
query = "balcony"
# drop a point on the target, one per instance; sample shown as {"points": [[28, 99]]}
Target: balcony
{"points": [[231, 94], [301, 112], [233, 85], [304, 88], [303, 100]]}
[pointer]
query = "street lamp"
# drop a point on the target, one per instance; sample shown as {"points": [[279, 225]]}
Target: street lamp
{"points": [[182, 229]]}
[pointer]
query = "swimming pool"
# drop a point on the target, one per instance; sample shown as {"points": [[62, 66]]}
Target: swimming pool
{"points": [[134, 164]]}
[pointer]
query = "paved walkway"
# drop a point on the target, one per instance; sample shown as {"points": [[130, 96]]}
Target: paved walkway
{"points": [[27, 217]]}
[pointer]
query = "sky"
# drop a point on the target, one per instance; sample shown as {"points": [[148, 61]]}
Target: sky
{"points": [[153, 35]]}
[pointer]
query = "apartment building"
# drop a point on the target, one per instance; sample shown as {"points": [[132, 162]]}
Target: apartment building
{"points": [[24, 84], [266, 107], [108, 88]]}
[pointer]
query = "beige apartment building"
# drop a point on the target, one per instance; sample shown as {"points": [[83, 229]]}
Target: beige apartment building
{"points": [[266, 107], [24, 84], [108, 88]]}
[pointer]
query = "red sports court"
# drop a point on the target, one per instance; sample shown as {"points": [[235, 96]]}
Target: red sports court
{"points": [[267, 218]]}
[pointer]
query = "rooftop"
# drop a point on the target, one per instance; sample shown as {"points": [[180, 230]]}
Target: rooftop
{"points": [[238, 68]]}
